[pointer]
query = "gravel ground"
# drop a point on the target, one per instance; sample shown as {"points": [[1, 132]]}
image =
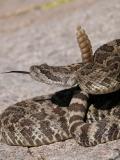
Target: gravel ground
{"points": [[38, 36]]}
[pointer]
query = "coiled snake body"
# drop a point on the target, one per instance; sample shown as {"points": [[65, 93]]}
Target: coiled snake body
{"points": [[90, 116]]}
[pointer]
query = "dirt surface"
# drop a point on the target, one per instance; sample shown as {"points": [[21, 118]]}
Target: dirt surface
{"points": [[34, 35], [22, 15]]}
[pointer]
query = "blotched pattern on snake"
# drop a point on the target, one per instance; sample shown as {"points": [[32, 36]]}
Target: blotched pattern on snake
{"points": [[90, 116]]}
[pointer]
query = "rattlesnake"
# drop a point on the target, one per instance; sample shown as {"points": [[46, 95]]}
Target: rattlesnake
{"points": [[98, 74], [89, 119]]}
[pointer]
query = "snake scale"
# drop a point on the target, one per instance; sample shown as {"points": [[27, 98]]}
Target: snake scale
{"points": [[88, 110]]}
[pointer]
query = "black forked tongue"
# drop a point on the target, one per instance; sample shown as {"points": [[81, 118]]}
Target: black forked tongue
{"points": [[21, 72]]}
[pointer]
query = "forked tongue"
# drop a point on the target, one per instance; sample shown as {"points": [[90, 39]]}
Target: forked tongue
{"points": [[21, 72]]}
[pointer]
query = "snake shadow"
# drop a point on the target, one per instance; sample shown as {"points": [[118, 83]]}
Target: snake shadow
{"points": [[104, 101]]}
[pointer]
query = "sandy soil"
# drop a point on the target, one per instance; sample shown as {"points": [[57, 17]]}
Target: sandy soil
{"points": [[31, 35]]}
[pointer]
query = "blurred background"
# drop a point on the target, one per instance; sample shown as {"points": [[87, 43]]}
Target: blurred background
{"points": [[44, 31], [15, 14]]}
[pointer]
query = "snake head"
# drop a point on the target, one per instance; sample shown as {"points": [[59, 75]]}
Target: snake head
{"points": [[53, 75]]}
